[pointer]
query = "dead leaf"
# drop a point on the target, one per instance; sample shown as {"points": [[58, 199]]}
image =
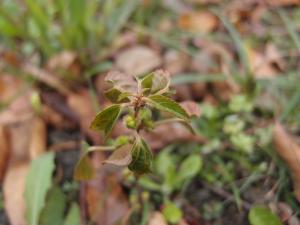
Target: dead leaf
{"points": [[38, 138], [137, 60], [9, 87], [289, 150], [13, 190], [19, 110], [260, 65], [175, 61], [120, 156], [157, 218], [81, 104], [283, 2], [191, 107], [204, 2], [105, 199], [172, 132], [4, 151], [61, 60], [202, 21]]}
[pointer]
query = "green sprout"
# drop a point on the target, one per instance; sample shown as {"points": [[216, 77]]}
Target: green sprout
{"points": [[134, 100]]}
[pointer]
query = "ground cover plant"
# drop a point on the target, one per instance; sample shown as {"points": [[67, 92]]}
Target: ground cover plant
{"points": [[144, 112]]}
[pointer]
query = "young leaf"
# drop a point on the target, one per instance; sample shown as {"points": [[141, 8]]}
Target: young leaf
{"points": [[121, 81], [54, 208], [121, 156], [172, 213], [261, 215], [38, 182], [106, 119], [166, 104], [189, 168], [141, 157], [73, 216], [117, 96], [84, 169], [156, 81]]}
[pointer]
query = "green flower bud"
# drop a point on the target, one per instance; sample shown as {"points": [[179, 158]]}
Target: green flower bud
{"points": [[130, 122]]}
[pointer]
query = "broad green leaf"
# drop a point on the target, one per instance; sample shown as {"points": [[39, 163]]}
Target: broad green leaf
{"points": [[121, 156], [141, 157], [38, 182], [261, 215], [117, 96], [164, 163], [84, 169], [73, 216], [54, 208], [172, 213], [189, 167], [156, 81], [106, 119], [167, 104]]}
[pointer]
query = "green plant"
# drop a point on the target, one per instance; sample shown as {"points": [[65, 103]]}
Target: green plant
{"points": [[135, 99]]}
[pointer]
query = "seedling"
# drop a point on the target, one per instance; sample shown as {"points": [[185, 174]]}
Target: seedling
{"points": [[134, 100]]}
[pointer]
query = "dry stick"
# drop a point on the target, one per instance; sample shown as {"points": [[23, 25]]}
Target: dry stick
{"points": [[229, 197], [45, 77]]}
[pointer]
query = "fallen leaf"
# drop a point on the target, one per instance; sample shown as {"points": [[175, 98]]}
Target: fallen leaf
{"points": [[4, 151], [138, 60], [175, 61], [81, 104], [172, 132], [120, 156], [19, 110], [283, 2], [202, 21], [105, 199], [9, 87], [157, 218], [13, 190], [191, 107], [289, 150], [62, 60], [38, 138]]}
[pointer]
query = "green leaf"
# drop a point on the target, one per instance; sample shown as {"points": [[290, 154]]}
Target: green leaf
{"points": [[54, 208], [73, 216], [189, 167], [117, 96], [38, 182], [84, 169], [106, 119], [141, 157], [260, 215], [166, 104], [156, 81], [172, 213], [121, 156]]}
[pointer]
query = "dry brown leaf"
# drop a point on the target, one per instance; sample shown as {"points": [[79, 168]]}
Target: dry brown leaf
{"points": [[106, 203], [19, 110], [172, 132], [175, 61], [137, 60], [4, 151], [61, 60], [260, 65], [157, 218], [38, 138], [191, 107], [283, 2], [120, 157], [204, 1], [289, 150], [13, 191], [202, 21], [9, 87], [81, 104]]}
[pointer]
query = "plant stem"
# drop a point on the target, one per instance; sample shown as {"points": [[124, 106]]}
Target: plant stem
{"points": [[101, 148]]}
